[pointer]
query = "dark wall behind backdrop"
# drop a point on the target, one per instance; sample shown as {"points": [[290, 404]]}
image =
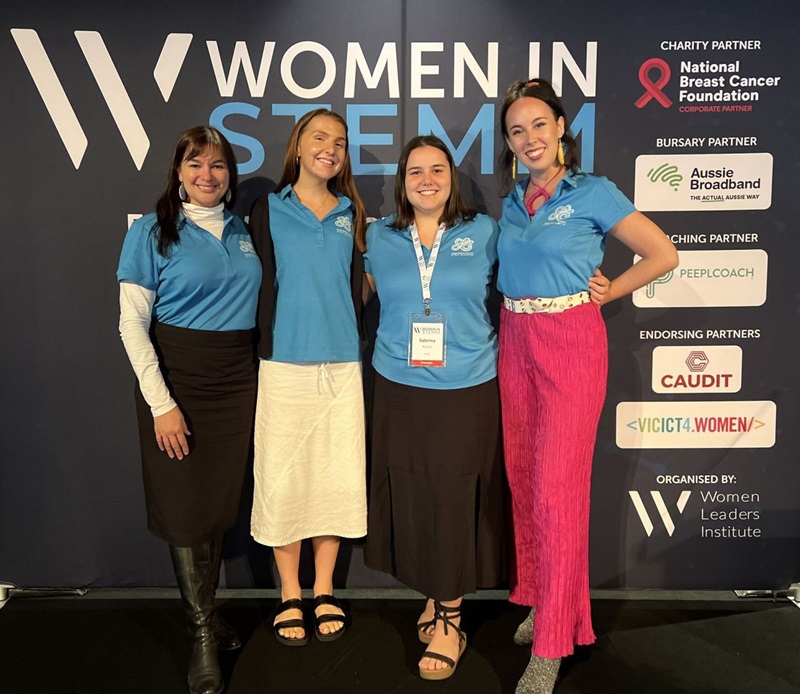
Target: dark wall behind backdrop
{"points": [[696, 479]]}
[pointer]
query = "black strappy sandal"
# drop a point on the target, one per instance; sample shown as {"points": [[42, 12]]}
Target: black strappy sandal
{"points": [[445, 615], [422, 627], [422, 630], [290, 604], [319, 620]]}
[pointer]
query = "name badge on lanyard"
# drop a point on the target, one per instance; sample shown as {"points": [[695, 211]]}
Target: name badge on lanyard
{"points": [[426, 344], [428, 331]]}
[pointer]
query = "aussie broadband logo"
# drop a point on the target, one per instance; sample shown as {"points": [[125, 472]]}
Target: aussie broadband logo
{"points": [[666, 173], [709, 278], [692, 182], [728, 424], [708, 369]]}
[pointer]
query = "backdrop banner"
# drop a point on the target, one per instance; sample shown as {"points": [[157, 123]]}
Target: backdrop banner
{"points": [[691, 112]]}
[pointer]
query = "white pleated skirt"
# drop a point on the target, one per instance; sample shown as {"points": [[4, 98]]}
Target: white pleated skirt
{"points": [[310, 453]]}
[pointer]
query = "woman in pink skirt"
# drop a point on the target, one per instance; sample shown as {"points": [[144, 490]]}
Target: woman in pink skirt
{"points": [[553, 361]]}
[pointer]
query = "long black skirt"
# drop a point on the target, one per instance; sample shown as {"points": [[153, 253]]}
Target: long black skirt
{"points": [[212, 377], [437, 488]]}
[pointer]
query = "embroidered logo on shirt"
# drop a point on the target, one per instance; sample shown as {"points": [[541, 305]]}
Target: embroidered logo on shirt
{"points": [[247, 248], [344, 226], [561, 215], [462, 246]]}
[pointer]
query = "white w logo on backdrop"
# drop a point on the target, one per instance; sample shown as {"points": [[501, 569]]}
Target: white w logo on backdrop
{"points": [[644, 516], [113, 90]]}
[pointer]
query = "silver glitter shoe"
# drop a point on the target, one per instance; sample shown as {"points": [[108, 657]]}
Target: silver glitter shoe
{"points": [[524, 634], [539, 677]]}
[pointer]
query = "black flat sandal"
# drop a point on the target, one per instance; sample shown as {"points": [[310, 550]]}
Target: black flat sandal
{"points": [[319, 620], [290, 604]]}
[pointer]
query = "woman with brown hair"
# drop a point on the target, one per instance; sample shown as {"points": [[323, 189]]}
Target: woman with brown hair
{"points": [[436, 492], [189, 279], [554, 360], [310, 477]]}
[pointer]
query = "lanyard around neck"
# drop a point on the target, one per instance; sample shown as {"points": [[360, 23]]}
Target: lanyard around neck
{"points": [[426, 271]]}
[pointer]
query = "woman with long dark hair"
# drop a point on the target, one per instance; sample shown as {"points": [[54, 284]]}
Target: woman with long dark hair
{"points": [[189, 280], [309, 436], [436, 501], [553, 361]]}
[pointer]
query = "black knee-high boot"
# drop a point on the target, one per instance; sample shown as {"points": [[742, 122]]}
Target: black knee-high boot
{"points": [[225, 635], [193, 567]]}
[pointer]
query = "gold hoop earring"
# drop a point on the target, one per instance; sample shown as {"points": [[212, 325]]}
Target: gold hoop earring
{"points": [[561, 153], [514, 168]]}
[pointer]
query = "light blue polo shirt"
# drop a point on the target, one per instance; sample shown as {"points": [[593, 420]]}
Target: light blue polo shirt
{"points": [[314, 316], [459, 289], [205, 283], [557, 251]]}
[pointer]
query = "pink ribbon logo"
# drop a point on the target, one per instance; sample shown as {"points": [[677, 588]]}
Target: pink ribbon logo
{"points": [[653, 89]]}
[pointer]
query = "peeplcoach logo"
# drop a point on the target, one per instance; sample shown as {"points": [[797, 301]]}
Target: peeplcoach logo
{"points": [[709, 278], [650, 289], [661, 507], [108, 80]]}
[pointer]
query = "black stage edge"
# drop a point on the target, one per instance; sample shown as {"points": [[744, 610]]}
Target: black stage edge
{"points": [[648, 642]]}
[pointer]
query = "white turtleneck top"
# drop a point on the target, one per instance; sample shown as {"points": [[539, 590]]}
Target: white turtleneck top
{"points": [[135, 314]]}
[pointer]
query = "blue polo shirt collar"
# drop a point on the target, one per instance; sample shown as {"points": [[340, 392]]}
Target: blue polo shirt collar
{"points": [[570, 179], [406, 233], [288, 192]]}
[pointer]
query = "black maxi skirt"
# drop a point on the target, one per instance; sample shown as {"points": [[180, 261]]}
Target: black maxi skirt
{"points": [[437, 488], [212, 377]]}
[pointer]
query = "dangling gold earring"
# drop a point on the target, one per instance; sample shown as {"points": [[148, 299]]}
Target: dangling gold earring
{"points": [[561, 153], [514, 168]]}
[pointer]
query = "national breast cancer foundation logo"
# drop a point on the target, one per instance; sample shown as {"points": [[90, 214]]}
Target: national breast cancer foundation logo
{"points": [[462, 246], [344, 225], [653, 88], [560, 216]]}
